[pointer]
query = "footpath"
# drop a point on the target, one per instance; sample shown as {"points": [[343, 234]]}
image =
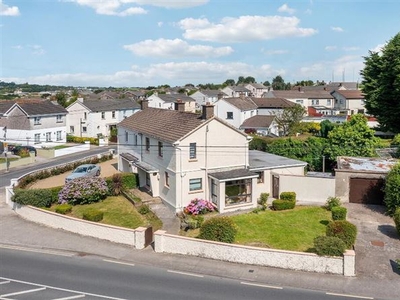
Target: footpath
{"points": [[18, 233]]}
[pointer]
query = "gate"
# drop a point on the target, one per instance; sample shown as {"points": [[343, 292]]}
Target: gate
{"points": [[148, 236]]}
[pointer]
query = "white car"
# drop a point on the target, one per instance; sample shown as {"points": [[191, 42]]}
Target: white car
{"points": [[87, 170]]}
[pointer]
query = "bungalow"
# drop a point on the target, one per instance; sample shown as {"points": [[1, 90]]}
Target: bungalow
{"points": [[167, 101], [261, 125]]}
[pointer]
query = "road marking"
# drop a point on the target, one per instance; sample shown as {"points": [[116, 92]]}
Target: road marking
{"points": [[4, 282], [72, 297], [262, 285], [349, 296], [118, 262], [61, 289], [23, 292], [184, 273], [42, 251]]}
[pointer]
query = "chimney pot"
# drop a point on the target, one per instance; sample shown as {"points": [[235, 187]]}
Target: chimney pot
{"points": [[144, 104], [207, 111], [179, 105]]}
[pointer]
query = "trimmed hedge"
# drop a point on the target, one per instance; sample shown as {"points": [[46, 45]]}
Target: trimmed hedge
{"points": [[34, 197], [263, 200], [332, 202], [93, 215], [288, 196], [220, 229], [396, 218], [129, 181], [82, 140], [329, 246], [280, 204], [194, 222], [344, 230], [63, 208], [339, 213]]}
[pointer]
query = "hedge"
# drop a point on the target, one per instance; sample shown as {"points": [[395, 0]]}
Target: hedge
{"points": [[289, 196], [339, 213], [329, 245], [93, 215], [344, 230], [63, 208], [36, 197], [280, 204], [220, 229], [396, 218]]}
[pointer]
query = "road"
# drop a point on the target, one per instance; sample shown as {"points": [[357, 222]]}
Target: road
{"points": [[18, 172], [45, 276]]}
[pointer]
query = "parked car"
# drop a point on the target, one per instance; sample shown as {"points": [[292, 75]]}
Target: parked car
{"points": [[87, 170], [17, 149]]}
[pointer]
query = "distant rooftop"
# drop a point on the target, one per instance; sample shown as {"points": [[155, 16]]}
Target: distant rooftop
{"points": [[265, 160], [365, 164]]}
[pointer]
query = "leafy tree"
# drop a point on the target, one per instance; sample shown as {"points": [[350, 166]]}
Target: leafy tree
{"points": [[229, 82], [266, 83], [240, 80], [326, 127], [249, 79], [305, 83], [352, 138], [61, 99], [381, 84], [278, 83], [392, 190], [289, 119]]}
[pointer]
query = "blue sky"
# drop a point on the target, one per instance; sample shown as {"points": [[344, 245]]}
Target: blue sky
{"points": [[140, 43]]}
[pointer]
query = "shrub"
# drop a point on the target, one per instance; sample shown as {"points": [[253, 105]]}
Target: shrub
{"points": [[396, 218], [344, 230], [35, 197], [339, 213], [199, 207], [129, 181], [329, 245], [332, 202], [289, 196], [283, 204], [195, 222], [392, 190], [116, 184], [83, 190], [220, 229], [144, 209], [63, 208], [263, 200], [93, 215]]}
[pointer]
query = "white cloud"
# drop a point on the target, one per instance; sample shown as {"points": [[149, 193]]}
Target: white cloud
{"points": [[378, 48], [337, 29], [17, 47], [244, 29], [37, 49], [285, 8], [274, 52], [10, 11], [330, 48], [160, 24], [171, 3], [176, 48], [351, 48], [111, 7]]}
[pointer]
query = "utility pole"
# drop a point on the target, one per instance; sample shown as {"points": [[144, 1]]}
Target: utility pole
{"points": [[323, 163], [5, 147]]}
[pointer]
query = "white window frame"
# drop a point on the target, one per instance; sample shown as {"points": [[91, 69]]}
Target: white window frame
{"points": [[195, 184]]}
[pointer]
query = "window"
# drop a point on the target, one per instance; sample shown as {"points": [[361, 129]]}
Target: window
{"points": [[37, 138], [195, 184], [260, 178], [113, 114], [126, 136], [238, 192], [329, 102], [84, 115], [160, 149], [103, 115], [166, 179], [84, 129], [36, 121], [59, 119], [299, 102], [48, 136], [71, 129], [58, 135], [147, 144], [229, 115], [192, 151], [314, 102]]}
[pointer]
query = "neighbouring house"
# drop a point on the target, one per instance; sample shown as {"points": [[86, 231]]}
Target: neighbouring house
{"points": [[235, 110], [361, 179], [94, 118], [206, 96], [33, 122], [135, 95], [261, 125], [271, 106], [349, 102], [180, 156], [257, 89], [236, 91], [167, 101]]}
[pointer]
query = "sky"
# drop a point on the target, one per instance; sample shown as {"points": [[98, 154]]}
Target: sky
{"points": [[141, 43]]}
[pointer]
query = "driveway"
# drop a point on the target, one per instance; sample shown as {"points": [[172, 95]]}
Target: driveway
{"points": [[378, 243]]}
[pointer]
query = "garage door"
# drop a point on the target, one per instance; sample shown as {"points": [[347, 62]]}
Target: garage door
{"points": [[366, 190]]}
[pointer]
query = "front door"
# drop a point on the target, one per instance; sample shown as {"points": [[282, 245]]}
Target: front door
{"points": [[275, 186]]}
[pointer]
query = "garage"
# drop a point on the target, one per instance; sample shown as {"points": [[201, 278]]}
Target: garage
{"points": [[366, 190]]}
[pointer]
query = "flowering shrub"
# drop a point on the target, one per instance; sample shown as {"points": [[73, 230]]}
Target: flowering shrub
{"points": [[199, 207], [83, 190]]}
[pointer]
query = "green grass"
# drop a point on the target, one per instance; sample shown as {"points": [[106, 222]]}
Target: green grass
{"points": [[288, 230], [118, 211]]}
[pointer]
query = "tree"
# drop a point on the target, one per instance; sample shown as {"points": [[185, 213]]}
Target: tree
{"points": [[381, 84], [240, 80], [352, 138], [266, 83], [326, 127], [289, 119], [61, 99], [392, 190], [278, 83], [249, 79], [229, 82]]}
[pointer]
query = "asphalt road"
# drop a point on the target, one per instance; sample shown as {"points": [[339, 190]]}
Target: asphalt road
{"points": [[44, 276], [5, 177]]}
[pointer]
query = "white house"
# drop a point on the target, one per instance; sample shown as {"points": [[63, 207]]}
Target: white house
{"points": [[257, 89], [261, 125], [236, 91], [349, 102], [33, 122], [235, 110], [167, 101], [91, 118], [271, 106], [180, 156], [207, 96]]}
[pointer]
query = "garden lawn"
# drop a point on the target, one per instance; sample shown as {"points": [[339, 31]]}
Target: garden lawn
{"points": [[293, 230], [118, 211]]}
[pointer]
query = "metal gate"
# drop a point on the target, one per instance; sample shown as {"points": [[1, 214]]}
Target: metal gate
{"points": [[366, 190]]}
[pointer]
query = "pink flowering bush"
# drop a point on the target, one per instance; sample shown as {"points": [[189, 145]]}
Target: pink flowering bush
{"points": [[199, 207], [83, 190]]}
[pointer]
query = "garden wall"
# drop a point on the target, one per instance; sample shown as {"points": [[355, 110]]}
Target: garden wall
{"points": [[19, 162], [51, 153], [300, 261]]}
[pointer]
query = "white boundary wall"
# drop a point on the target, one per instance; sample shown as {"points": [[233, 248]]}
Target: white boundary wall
{"points": [[300, 261], [71, 150]]}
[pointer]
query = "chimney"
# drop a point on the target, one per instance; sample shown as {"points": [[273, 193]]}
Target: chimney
{"points": [[144, 104], [241, 95], [208, 111], [220, 95], [179, 105]]}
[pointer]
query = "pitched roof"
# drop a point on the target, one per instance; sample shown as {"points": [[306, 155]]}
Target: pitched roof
{"points": [[244, 103], [258, 85], [163, 124], [174, 97], [346, 85], [258, 121], [291, 94], [110, 104], [272, 102], [351, 94], [5, 106], [40, 107], [212, 93]]}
